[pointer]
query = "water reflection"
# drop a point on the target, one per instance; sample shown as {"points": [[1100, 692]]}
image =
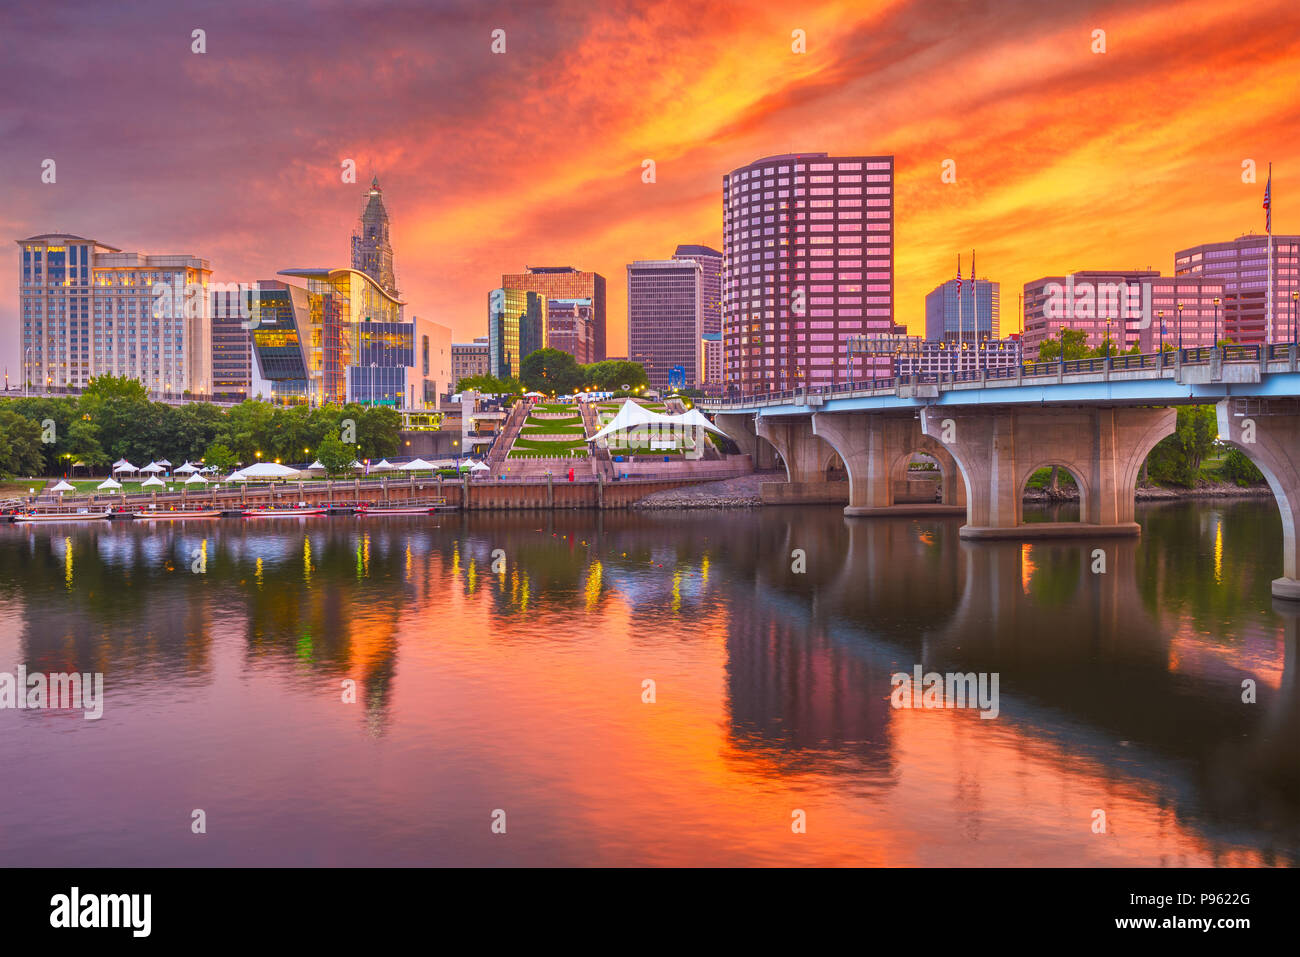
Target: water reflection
{"points": [[499, 659]]}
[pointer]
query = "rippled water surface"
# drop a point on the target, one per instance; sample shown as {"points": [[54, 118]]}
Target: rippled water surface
{"points": [[521, 689]]}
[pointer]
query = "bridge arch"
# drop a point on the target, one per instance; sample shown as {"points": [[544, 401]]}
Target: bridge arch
{"points": [[1064, 464]]}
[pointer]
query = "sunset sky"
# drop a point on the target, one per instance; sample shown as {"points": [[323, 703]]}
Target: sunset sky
{"points": [[1065, 158]]}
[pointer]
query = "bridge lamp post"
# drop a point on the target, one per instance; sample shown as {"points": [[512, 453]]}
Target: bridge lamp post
{"points": [[1161, 314], [1216, 321], [1180, 327], [1108, 348], [1294, 297]]}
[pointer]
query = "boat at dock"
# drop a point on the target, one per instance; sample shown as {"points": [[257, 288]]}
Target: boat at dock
{"points": [[62, 515], [176, 514], [275, 512], [375, 510]]}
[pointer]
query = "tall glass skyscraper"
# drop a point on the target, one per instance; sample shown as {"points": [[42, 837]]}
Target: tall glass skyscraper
{"points": [[808, 243], [977, 318], [665, 319], [710, 261], [516, 326]]}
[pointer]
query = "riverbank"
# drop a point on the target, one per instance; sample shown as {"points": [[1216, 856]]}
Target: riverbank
{"points": [[746, 492]]}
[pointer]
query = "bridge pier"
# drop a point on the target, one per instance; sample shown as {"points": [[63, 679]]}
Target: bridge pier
{"points": [[998, 450], [806, 458], [740, 429], [875, 450], [1270, 437]]}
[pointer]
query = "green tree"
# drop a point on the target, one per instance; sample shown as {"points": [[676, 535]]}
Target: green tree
{"points": [[377, 432], [20, 445], [82, 445], [334, 455], [117, 407], [491, 385], [1177, 458], [551, 370], [1070, 344], [219, 456], [612, 375]]}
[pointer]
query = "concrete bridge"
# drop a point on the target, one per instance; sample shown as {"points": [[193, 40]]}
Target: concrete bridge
{"points": [[989, 431]]}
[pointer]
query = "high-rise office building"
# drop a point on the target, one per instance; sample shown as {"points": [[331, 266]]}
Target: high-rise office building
{"points": [[89, 309], [516, 327], [571, 328], [665, 320], [232, 343], [566, 282], [975, 319], [711, 360], [372, 250], [1242, 267], [808, 243], [469, 359], [710, 261]]}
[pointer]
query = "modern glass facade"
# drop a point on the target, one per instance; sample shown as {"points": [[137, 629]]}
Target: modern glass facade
{"points": [[976, 320], [808, 243], [517, 326], [665, 319], [329, 324], [566, 282]]}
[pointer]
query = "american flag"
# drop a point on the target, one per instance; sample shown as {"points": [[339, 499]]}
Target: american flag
{"points": [[959, 277], [1268, 201]]}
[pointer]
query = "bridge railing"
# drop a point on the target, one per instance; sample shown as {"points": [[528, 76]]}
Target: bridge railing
{"points": [[1164, 360]]}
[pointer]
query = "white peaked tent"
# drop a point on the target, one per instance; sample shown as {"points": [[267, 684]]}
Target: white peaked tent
{"points": [[109, 484], [383, 465], [631, 415], [195, 479], [154, 467], [416, 465], [164, 462], [63, 487], [236, 477], [356, 465], [268, 470], [187, 469], [316, 466], [695, 418], [124, 466], [120, 462], [479, 467], [151, 481]]}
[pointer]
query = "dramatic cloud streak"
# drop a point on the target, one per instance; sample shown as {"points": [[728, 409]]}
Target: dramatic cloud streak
{"points": [[1065, 158]]}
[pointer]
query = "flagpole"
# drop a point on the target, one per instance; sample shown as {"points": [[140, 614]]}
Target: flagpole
{"points": [[961, 328], [1268, 326]]}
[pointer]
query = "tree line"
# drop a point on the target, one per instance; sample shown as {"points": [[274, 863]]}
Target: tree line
{"points": [[114, 419], [554, 371]]}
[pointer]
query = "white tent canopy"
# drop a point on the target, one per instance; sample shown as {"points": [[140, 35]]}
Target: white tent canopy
{"points": [[63, 487], [196, 479], [109, 484], [416, 465], [154, 467], [268, 470], [164, 462], [120, 462], [356, 464], [152, 480], [125, 466], [631, 415], [382, 465], [695, 418], [316, 466], [479, 467], [187, 469], [237, 477]]}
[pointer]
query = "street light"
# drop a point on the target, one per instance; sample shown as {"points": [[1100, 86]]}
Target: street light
{"points": [[1161, 314], [1180, 327], [1216, 321], [1107, 349], [1294, 297]]}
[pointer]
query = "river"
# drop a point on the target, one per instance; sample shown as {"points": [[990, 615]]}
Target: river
{"points": [[624, 688]]}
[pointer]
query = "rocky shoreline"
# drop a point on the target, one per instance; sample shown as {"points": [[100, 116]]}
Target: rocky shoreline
{"points": [[746, 492]]}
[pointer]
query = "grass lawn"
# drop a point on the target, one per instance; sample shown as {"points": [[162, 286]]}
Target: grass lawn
{"points": [[562, 453], [17, 488]]}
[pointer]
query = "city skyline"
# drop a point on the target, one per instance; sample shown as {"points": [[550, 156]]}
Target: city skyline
{"points": [[1165, 178]]}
